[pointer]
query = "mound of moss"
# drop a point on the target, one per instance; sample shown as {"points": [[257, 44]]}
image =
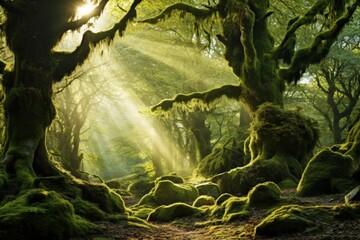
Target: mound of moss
{"points": [[173, 211], [167, 192], [204, 201], [41, 214], [230, 208], [286, 219], [208, 189], [264, 194], [222, 159], [326, 172], [242, 180]]}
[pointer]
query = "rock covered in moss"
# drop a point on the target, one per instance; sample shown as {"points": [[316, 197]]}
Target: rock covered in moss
{"points": [[209, 189], [171, 178], [222, 198], [230, 205], [141, 187], [242, 180], [287, 219], [167, 192], [204, 201], [222, 159], [326, 172], [173, 211], [264, 194], [41, 214]]}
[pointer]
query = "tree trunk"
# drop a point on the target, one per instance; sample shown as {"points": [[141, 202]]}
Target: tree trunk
{"points": [[28, 112]]}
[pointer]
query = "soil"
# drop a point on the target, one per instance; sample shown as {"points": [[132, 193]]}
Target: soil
{"points": [[185, 228]]}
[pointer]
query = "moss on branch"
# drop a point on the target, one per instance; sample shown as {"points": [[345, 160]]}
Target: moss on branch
{"points": [[230, 91], [198, 13], [319, 47], [68, 61], [96, 12]]}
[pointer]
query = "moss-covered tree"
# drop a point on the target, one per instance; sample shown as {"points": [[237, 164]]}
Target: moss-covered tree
{"points": [[33, 29], [263, 67]]}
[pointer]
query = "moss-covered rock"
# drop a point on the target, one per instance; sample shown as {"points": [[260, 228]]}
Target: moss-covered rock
{"points": [[222, 159], [41, 214], [167, 192], [107, 199], [326, 172], [231, 205], [173, 211], [209, 189], [222, 198], [287, 219], [204, 201], [148, 200], [142, 212], [172, 178], [241, 180], [87, 210], [264, 194], [141, 187]]}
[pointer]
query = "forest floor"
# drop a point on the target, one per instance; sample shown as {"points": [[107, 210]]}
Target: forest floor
{"points": [[188, 228]]}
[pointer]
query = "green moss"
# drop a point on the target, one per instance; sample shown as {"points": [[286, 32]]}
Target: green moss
{"points": [[238, 216], [241, 180], [264, 194], [203, 201], [287, 219], [148, 200], [222, 198], [100, 194], [87, 210], [229, 206], [347, 212], [142, 213], [172, 178], [323, 168], [140, 187], [167, 192], [222, 159], [287, 184], [173, 211], [41, 214], [209, 189]]}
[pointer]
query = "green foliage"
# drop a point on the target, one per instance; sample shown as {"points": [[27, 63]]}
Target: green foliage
{"points": [[173, 211], [41, 214], [322, 173], [264, 194]]}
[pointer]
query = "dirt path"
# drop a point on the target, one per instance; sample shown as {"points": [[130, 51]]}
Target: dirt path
{"points": [[185, 229]]}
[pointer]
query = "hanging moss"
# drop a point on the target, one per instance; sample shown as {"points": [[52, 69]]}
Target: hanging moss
{"points": [[173, 211], [323, 172], [225, 158], [41, 214]]}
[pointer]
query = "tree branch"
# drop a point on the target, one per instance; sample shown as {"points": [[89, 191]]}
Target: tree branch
{"points": [[230, 91], [182, 7], [319, 47], [96, 12], [67, 62]]}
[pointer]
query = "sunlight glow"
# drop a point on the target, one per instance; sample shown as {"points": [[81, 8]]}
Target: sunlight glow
{"points": [[84, 10]]}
